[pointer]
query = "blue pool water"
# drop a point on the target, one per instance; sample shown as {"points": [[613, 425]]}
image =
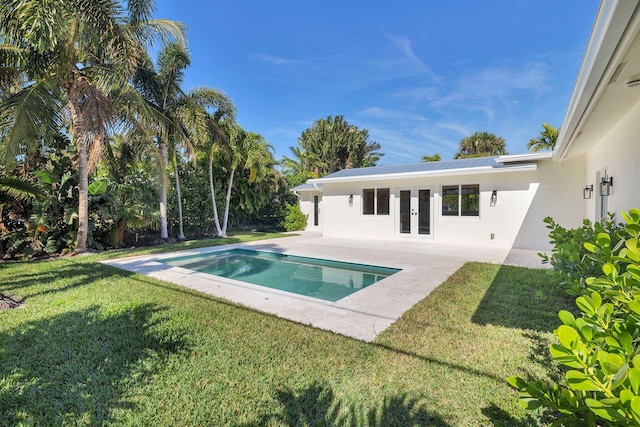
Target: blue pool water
{"points": [[318, 278]]}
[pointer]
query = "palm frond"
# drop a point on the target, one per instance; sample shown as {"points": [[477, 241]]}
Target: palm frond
{"points": [[25, 115], [20, 188], [213, 98]]}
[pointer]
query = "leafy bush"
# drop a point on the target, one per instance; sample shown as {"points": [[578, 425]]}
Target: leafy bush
{"points": [[600, 347], [571, 262], [294, 219]]}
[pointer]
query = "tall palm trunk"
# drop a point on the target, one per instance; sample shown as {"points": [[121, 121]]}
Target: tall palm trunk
{"points": [[228, 201], [162, 147], [81, 138], [178, 195], [213, 199]]}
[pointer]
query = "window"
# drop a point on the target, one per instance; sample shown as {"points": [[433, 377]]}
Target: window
{"points": [[461, 200], [450, 195], [382, 201], [375, 201], [368, 200], [470, 200]]}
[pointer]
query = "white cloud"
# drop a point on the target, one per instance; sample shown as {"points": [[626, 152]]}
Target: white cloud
{"points": [[404, 44], [275, 60]]}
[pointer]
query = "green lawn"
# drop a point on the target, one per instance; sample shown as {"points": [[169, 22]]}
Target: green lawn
{"points": [[97, 345]]}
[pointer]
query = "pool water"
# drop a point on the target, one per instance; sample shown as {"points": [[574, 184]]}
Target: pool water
{"points": [[312, 277]]}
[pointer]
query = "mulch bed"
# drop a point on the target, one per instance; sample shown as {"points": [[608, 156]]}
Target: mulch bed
{"points": [[9, 301]]}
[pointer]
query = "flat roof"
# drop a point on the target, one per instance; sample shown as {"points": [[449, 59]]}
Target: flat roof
{"points": [[477, 165]]}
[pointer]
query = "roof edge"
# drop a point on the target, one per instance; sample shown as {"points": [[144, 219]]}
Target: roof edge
{"points": [[510, 158], [449, 172], [601, 57]]}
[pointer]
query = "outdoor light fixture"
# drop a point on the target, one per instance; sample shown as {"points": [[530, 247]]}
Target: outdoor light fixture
{"points": [[350, 200], [494, 197], [605, 185], [586, 193], [634, 81]]}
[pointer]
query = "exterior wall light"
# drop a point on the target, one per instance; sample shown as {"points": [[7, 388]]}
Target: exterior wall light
{"points": [[605, 185], [350, 200], [494, 197], [588, 190]]}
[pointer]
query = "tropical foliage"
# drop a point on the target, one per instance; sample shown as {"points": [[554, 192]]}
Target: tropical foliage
{"points": [[91, 131], [481, 144], [434, 158], [546, 140], [330, 145], [598, 348], [65, 61]]}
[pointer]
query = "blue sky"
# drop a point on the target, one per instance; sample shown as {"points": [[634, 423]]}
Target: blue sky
{"points": [[419, 75]]}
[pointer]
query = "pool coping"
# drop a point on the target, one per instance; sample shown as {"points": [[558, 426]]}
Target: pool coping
{"points": [[362, 315]]}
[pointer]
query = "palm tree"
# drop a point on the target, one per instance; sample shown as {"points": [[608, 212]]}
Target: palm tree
{"points": [[481, 144], [253, 153], [333, 144], [546, 140], [185, 115], [68, 58], [435, 158]]}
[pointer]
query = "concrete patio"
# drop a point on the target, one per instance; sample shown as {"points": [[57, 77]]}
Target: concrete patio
{"points": [[362, 315]]}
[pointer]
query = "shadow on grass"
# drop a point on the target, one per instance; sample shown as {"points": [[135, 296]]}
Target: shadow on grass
{"points": [[501, 418], [524, 299], [75, 368], [316, 405], [190, 244], [63, 275]]}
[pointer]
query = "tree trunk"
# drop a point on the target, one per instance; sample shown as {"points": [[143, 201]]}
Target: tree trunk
{"points": [[162, 147], [83, 197], [180, 224], [228, 201], [79, 136], [213, 199]]}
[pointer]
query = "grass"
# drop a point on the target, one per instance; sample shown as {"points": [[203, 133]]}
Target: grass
{"points": [[96, 345]]}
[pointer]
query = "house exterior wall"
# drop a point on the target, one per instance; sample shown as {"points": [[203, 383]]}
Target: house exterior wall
{"points": [[617, 154], [524, 199], [306, 206]]}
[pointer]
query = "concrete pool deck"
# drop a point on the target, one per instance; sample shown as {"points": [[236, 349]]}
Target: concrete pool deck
{"points": [[362, 315]]}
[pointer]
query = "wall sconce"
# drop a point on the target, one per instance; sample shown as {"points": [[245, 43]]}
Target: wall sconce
{"points": [[586, 193], [494, 197], [605, 185], [350, 200]]}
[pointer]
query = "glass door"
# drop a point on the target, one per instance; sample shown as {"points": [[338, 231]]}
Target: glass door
{"points": [[414, 212], [424, 212], [405, 212]]}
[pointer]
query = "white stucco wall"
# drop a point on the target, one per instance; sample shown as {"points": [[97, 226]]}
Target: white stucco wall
{"points": [[617, 153], [306, 206], [524, 200]]}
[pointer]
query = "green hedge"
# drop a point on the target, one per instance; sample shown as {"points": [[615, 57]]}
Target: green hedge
{"points": [[599, 348]]}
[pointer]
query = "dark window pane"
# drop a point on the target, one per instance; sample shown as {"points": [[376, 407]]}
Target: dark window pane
{"points": [[368, 198], [470, 200], [450, 200], [424, 220], [405, 211], [382, 201]]}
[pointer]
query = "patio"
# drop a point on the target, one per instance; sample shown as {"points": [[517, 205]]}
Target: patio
{"points": [[362, 315]]}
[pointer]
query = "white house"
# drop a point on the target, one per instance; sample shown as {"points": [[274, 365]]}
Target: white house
{"points": [[503, 200]]}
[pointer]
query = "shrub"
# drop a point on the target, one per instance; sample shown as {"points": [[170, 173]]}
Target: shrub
{"points": [[599, 349], [570, 260], [294, 219]]}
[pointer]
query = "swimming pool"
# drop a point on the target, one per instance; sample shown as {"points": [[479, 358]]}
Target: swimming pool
{"points": [[313, 277]]}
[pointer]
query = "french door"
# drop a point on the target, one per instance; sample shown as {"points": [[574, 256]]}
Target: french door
{"points": [[414, 212]]}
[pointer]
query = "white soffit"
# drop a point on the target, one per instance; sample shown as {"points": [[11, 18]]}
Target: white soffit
{"points": [[600, 96]]}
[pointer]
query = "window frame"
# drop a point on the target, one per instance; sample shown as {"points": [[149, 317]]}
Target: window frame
{"points": [[368, 201], [373, 199], [466, 195]]}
